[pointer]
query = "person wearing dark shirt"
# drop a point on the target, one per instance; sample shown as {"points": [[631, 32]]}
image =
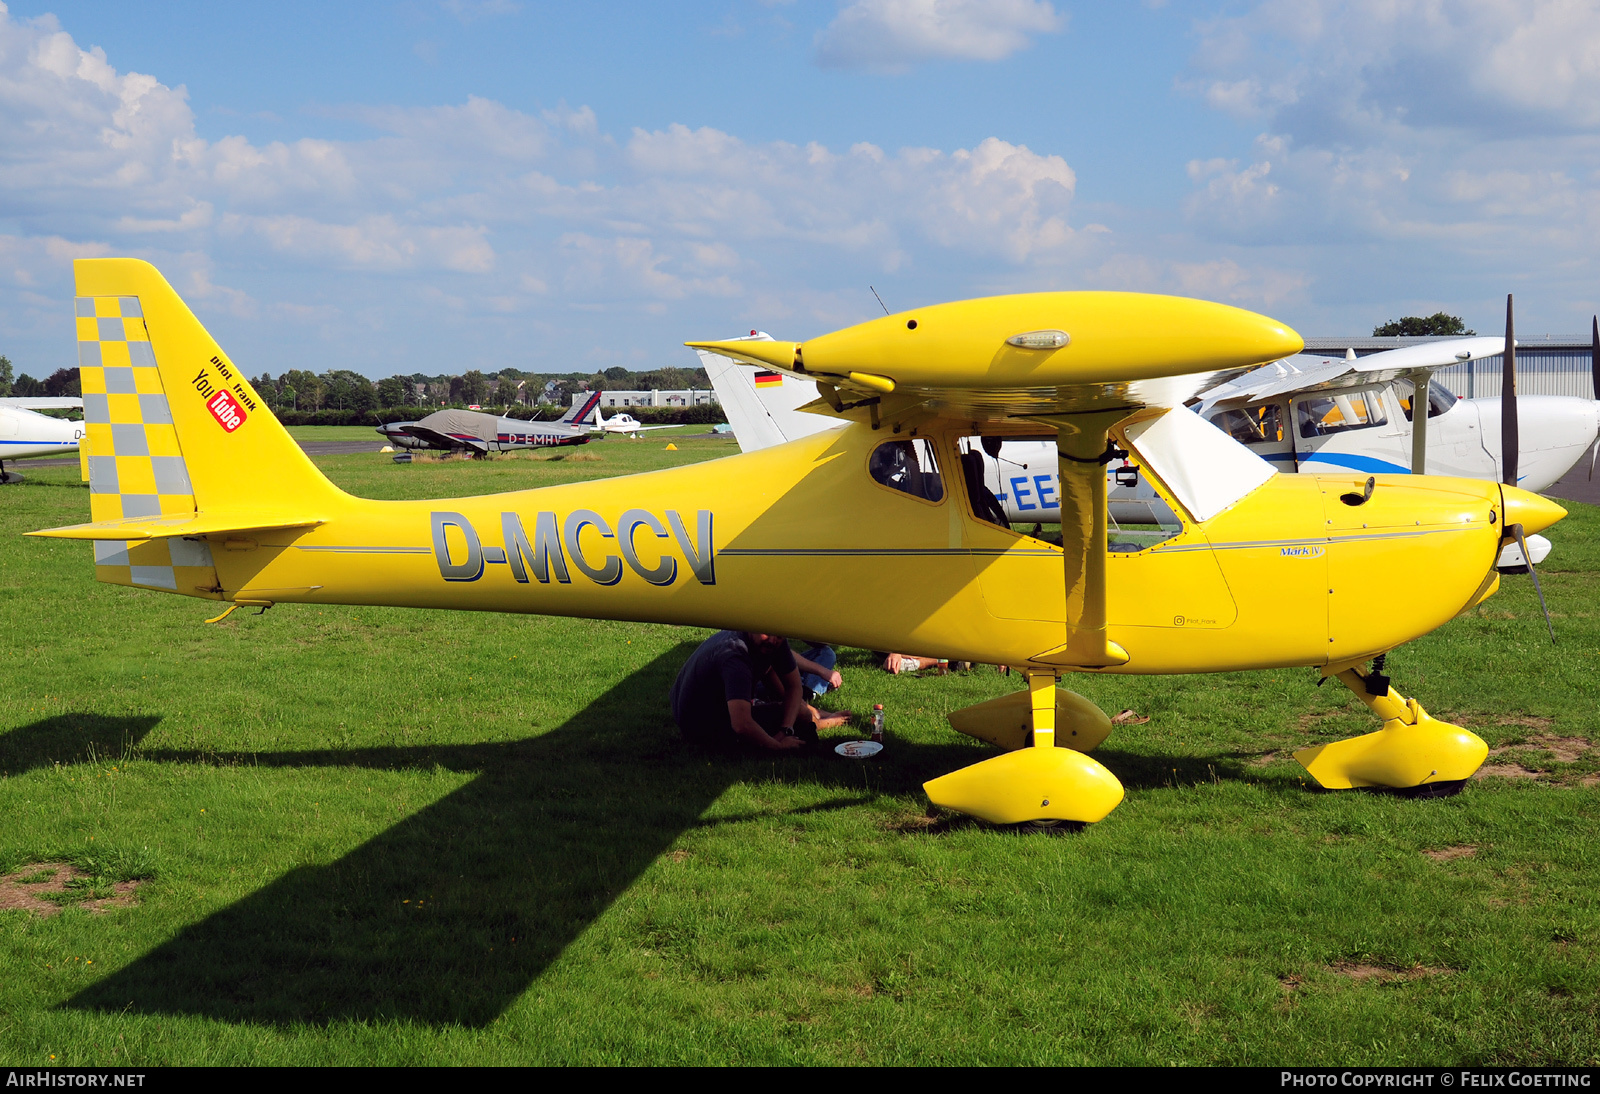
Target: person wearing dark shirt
{"points": [[713, 698]]}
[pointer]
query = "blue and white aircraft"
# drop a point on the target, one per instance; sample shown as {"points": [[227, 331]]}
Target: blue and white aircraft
{"points": [[25, 433]]}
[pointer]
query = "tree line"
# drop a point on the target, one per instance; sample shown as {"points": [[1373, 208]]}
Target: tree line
{"points": [[299, 390]]}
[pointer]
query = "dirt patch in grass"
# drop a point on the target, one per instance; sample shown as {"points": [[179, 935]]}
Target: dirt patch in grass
{"points": [[1527, 721], [680, 855], [1264, 759], [44, 888], [1565, 749], [1506, 771], [1445, 854], [1360, 971], [1589, 780], [933, 822]]}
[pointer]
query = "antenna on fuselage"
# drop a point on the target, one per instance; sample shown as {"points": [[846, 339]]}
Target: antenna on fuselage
{"points": [[881, 304]]}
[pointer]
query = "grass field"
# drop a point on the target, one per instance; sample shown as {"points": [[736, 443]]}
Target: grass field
{"points": [[390, 837]]}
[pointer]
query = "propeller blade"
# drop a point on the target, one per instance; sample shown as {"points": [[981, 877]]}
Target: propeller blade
{"points": [[1508, 405], [1594, 356], [1522, 541]]}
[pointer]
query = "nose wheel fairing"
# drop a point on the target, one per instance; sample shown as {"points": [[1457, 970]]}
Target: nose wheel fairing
{"points": [[1413, 749]]}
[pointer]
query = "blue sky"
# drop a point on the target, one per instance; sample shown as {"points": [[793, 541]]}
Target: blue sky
{"points": [[427, 186]]}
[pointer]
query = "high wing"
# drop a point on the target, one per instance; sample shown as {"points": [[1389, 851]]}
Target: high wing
{"points": [[1075, 363], [1017, 358], [1308, 372]]}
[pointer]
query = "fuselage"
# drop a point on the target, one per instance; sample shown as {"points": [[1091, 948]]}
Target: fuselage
{"points": [[776, 540], [25, 434]]}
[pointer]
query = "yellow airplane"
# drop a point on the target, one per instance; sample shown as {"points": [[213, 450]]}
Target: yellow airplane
{"points": [[195, 488]]}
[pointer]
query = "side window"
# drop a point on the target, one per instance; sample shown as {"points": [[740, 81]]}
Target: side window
{"points": [[909, 467], [1251, 424], [1000, 471], [1324, 415]]}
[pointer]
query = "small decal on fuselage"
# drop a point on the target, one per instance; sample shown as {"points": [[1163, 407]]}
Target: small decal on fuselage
{"points": [[1302, 551], [550, 548]]}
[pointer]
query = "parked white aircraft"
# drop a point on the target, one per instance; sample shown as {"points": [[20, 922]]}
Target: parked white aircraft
{"points": [[24, 433], [621, 423], [1305, 413]]}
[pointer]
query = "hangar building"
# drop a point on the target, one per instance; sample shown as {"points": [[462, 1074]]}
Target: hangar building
{"points": [[1547, 364]]}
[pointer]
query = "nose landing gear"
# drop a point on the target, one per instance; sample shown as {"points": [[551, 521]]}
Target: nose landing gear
{"points": [[1412, 752]]}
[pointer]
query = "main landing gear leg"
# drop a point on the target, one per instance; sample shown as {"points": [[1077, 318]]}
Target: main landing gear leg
{"points": [[1040, 785], [8, 476], [1413, 751]]}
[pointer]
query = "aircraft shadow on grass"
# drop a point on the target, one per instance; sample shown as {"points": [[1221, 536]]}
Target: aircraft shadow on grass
{"points": [[72, 738], [501, 875]]}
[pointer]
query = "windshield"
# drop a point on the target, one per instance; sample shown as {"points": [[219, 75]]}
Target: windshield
{"points": [[1440, 398]]}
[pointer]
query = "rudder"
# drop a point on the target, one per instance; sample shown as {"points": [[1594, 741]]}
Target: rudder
{"points": [[175, 432]]}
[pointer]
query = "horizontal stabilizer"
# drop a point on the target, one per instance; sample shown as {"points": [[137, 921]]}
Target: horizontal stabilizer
{"points": [[177, 524]]}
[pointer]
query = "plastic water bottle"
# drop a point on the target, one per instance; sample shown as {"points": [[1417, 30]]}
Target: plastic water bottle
{"points": [[877, 722]]}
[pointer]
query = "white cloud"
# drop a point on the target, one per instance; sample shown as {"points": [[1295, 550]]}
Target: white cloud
{"points": [[376, 242], [1222, 279], [1469, 128], [892, 35], [470, 11], [492, 212], [1493, 67]]}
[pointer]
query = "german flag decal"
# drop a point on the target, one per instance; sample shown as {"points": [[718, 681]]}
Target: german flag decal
{"points": [[769, 379]]}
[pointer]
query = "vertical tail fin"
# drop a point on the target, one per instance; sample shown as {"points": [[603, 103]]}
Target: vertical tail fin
{"points": [[761, 405], [179, 443], [581, 411]]}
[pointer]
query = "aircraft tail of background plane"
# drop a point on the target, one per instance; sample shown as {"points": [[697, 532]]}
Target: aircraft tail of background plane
{"points": [[582, 411], [179, 443], [763, 418]]}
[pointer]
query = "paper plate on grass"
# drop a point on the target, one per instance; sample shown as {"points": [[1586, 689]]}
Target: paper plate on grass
{"points": [[858, 750]]}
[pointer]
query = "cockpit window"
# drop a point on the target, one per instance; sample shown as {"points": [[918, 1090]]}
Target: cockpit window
{"points": [[909, 467], [1325, 415]]}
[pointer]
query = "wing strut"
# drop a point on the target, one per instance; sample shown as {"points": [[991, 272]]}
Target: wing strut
{"points": [[1082, 453], [1421, 380]]}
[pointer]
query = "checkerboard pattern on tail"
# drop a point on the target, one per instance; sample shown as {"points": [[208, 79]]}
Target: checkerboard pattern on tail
{"points": [[136, 468]]}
